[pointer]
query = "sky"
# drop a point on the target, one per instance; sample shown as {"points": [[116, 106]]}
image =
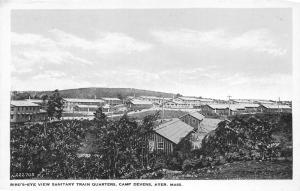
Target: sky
{"points": [[244, 53]]}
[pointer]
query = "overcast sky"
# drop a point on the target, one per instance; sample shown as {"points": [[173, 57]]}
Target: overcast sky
{"points": [[245, 53]]}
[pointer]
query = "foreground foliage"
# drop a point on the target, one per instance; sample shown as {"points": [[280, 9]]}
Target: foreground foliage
{"points": [[258, 137], [51, 150], [48, 150]]}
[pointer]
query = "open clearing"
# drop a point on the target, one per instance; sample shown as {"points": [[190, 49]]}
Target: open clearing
{"points": [[240, 170]]}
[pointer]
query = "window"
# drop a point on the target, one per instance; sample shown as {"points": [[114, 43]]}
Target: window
{"points": [[11, 109], [160, 145], [11, 116]]}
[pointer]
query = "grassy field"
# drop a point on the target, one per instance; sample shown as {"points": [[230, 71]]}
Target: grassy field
{"points": [[239, 170]]}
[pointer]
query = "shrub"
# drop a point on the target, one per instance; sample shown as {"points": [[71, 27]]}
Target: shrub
{"points": [[187, 165]]}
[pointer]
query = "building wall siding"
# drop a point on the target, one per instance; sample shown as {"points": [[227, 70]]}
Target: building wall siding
{"points": [[26, 114], [156, 138], [192, 121]]}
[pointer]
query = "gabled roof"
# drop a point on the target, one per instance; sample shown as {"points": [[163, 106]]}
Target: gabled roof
{"points": [[140, 102], [78, 100], [189, 98], [195, 114], [151, 97], [176, 102], [154, 97], [206, 99], [251, 105], [87, 106], [236, 107], [233, 106], [23, 103], [275, 106], [209, 124], [218, 106], [35, 100], [110, 99], [262, 101], [174, 130], [242, 100]]}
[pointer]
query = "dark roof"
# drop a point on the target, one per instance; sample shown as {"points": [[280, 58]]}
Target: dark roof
{"points": [[275, 106], [195, 114], [209, 124], [218, 106], [174, 130]]}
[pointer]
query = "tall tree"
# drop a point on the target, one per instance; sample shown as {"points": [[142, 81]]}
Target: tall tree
{"points": [[121, 143], [178, 95], [55, 105], [100, 118]]}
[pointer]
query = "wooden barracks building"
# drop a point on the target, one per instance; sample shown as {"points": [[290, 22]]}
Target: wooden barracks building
{"points": [[193, 119], [26, 111], [166, 136]]}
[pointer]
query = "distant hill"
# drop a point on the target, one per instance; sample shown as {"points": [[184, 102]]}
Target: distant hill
{"points": [[90, 93]]}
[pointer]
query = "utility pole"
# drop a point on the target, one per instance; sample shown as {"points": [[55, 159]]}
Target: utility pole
{"points": [[278, 104], [229, 105], [163, 112]]}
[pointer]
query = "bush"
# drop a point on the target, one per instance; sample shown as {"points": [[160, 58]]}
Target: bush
{"points": [[248, 137], [173, 163], [187, 165], [160, 163]]}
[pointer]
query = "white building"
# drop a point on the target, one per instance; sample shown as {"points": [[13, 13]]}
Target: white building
{"points": [[112, 101], [70, 103], [189, 100], [173, 104], [154, 99], [193, 101]]}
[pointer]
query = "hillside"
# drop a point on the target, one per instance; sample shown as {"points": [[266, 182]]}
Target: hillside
{"points": [[92, 92]]}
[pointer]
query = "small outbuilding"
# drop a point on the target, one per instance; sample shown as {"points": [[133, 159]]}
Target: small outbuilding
{"points": [[193, 119], [167, 135], [135, 104]]}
